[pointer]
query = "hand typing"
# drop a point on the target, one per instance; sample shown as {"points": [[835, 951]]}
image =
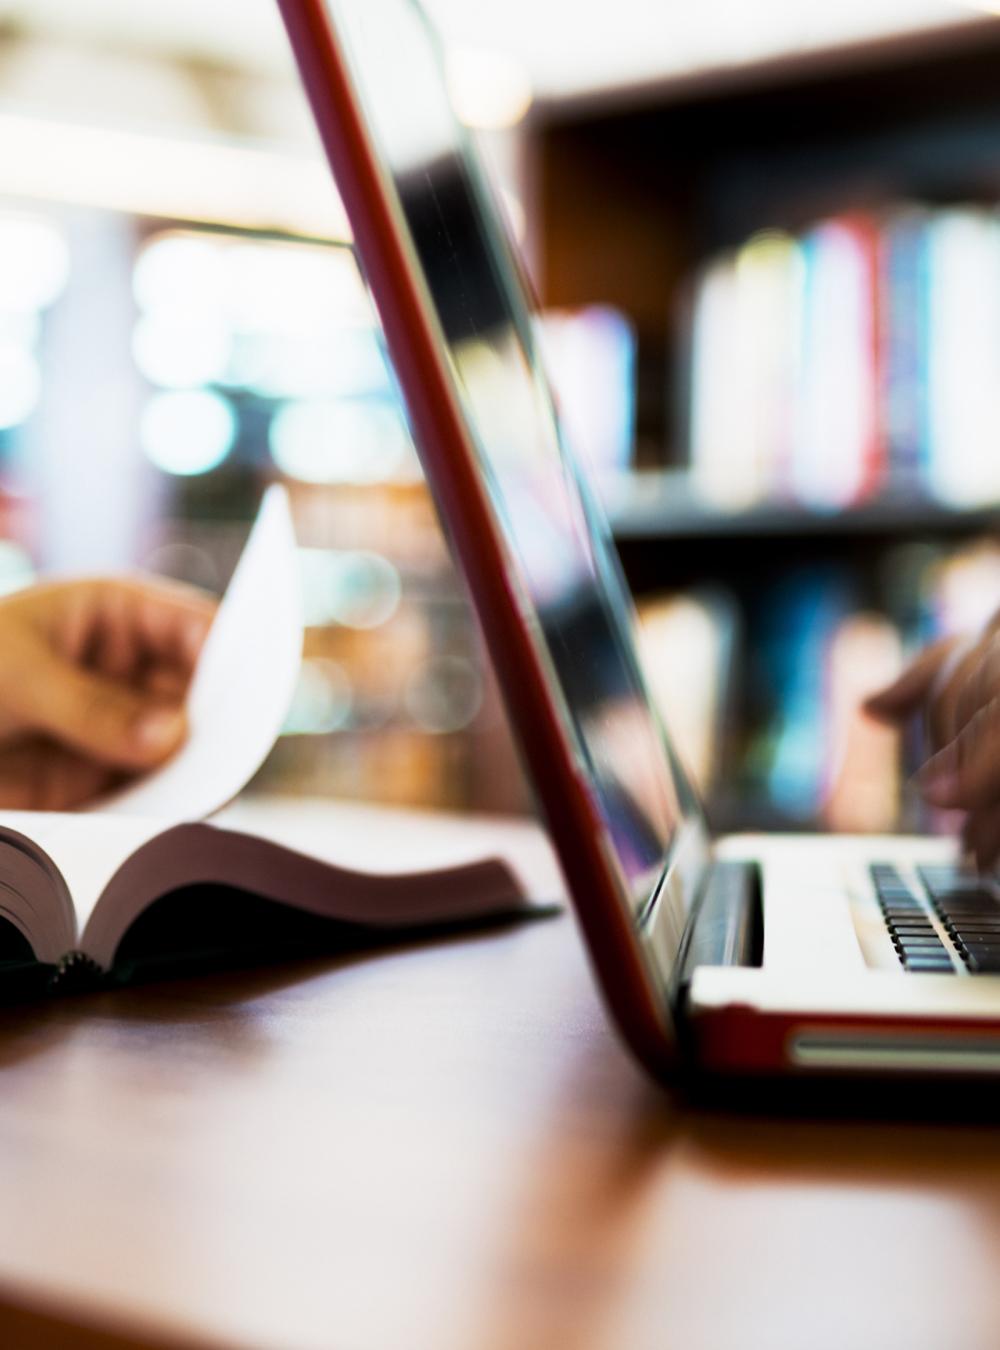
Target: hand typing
{"points": [[956, 685]]}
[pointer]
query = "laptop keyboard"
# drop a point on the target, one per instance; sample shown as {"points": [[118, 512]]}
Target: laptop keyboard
{"points": [[958, 902], [970, 914]]}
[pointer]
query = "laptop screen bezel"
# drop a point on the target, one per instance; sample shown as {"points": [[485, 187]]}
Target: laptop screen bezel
{"points": [[635, 980]]}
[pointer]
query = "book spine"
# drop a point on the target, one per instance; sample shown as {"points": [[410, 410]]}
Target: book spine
{"points": [[964, 355], [903, 329], [75, 973], [838, 455]]}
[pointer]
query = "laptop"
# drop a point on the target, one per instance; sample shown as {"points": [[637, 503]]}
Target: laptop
{"points": [[754, 955]]}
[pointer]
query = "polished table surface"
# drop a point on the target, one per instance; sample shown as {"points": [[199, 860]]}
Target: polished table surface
{"points": [[443, 1145]]}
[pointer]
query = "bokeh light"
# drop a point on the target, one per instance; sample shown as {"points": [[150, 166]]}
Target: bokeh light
{"points": [[16, 567], [35, 263], [444, 694], [354, 588], [339, 441], [20, 384], [292, 288], [323, 699], [348, 363], [185, 562], [489, 89], [177, 272], [180, 354], [187, 432]]}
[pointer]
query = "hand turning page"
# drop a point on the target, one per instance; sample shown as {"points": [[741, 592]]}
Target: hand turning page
{"points": [[242, 686], [143, 882]]}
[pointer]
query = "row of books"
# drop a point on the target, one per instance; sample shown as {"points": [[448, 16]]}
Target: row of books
{"points": [[771, 727], [861, 356]]}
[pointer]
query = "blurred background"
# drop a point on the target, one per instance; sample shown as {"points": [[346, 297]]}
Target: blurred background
{"points": [[766, 242]]}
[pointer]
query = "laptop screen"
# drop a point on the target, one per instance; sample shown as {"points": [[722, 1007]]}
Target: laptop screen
{"points": [[561, 558]]}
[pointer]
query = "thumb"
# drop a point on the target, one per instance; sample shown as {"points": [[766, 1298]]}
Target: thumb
{"points": [[102, 718], [897, 701]]}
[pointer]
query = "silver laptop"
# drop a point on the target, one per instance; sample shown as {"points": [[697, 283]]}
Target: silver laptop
{"points": [[754, 955]]}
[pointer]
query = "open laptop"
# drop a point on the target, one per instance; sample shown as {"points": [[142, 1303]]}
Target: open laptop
{"points": [[752, 955]]}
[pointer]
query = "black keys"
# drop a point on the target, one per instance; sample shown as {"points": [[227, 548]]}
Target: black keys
{"points": [[982, 961], [914, 936], [966, 906], [970, 913], [955, 888]]}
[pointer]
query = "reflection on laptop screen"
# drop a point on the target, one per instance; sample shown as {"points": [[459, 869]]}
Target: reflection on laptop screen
{"points": [[563, 566]]}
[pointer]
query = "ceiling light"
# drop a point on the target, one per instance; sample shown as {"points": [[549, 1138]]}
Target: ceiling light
{"points": [[489, 89], [197, 179]]}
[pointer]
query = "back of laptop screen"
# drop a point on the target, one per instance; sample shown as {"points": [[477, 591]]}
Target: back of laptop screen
{"points": [[563, 565]]}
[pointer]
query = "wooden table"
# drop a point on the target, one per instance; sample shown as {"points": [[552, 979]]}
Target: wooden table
{"points": [[443, 1145]]}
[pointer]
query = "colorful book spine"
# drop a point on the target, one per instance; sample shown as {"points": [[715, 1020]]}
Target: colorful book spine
{"points": [[963, 369], [839, 449], [903, 259], [744, 353], [861, 357]]}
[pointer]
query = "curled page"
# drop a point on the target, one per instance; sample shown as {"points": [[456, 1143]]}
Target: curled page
{"points": [[242, 687]]}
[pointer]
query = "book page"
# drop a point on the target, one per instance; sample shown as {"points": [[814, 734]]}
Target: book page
{"points": [[377, 840], [242, 687], [361, 865], [83, 854]]}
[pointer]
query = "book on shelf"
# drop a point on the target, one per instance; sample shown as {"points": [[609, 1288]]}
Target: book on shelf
{"points": [[856, 356], [590, 354], [963, 355], [744, 344], [161, 872], [811, 756], [812, 752], [838, 454], [904, 341], [691, 694], [862, 782]]}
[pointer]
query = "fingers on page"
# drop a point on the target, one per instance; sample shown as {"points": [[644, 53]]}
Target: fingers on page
{"points": [[124, 626], [173, 621], [104, 719], [38, 775]]}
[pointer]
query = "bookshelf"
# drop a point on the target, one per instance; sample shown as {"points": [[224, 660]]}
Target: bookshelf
{"points": [[652, 505], [674, 174], [638, 195]]}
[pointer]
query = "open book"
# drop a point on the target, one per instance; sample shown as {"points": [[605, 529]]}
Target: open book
{"points": [[144, 880]]}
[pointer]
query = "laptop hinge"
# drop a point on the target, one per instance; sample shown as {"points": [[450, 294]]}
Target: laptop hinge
{"points": [[726, 928]]}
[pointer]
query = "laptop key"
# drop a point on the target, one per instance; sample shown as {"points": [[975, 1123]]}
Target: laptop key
{"points": [[910, 925], [948, 874], [884, 869], [980, 948], [984, 965], [962, 894]]}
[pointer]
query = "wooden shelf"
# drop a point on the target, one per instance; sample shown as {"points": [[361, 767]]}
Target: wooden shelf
{"points": [[661, 505]]}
